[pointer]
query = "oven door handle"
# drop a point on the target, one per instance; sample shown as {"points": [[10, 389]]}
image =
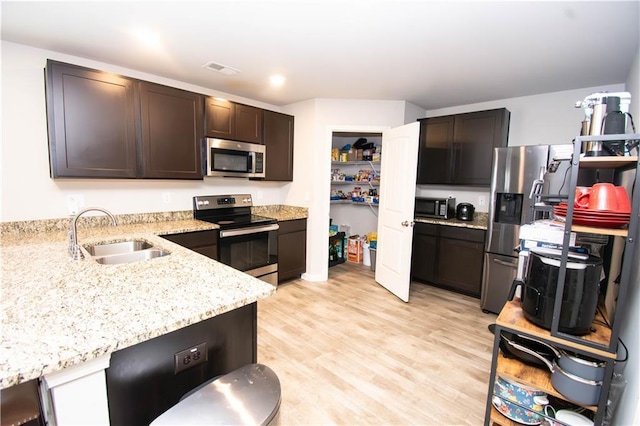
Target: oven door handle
{"points": [[249, 230]]}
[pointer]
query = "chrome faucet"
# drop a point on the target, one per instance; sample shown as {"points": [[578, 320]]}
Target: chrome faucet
{"points": [[74, 247]]}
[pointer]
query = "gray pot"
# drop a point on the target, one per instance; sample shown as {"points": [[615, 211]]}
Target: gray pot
{"points": [[577, 389], [581, 366]]}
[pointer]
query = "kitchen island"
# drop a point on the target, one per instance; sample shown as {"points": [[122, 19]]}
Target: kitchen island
{"points": [[59, 313]]}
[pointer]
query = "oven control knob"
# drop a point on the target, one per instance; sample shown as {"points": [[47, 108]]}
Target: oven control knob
{"points": [[203, 203]]}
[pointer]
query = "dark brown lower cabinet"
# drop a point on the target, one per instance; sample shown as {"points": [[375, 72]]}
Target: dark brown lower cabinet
{"points": [[460, 259], [449, 257], [425, 249], [292, 249], [203, 242], [21, 405]]}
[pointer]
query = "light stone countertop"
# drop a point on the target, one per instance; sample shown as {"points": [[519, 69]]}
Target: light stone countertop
{"points": [[479, 221], [57, 312], [281, 212]]}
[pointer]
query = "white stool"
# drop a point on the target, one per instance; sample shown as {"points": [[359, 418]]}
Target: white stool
{"points": [[249, 395]]}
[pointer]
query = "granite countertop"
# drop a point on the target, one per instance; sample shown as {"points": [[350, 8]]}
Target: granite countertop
{"points": [[480, 221], [57, 312], [280, 212]]}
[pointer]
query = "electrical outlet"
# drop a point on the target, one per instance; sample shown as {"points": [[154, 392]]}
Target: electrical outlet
{"points": [[260, 195], [191, 357], [75, 202], [166, 197], [481, 200]]}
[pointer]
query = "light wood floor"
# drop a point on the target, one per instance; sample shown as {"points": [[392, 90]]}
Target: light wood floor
{"points": [[349, 352]]}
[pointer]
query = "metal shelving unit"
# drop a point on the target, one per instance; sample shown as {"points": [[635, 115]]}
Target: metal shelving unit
{"points": [[353, 183], [619, 163], [602, 343]]}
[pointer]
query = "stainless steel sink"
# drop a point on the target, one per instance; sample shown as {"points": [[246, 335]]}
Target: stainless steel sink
{"points": [[117, 248], [134, 256], [124, 252]]}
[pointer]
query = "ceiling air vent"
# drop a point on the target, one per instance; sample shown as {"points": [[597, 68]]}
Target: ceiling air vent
{"points": [[221, 68]]}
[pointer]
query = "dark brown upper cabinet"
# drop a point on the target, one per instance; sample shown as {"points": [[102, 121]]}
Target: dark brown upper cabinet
{"points": [[103, 125], [220, 116], [278, 138], [229, 120], [172, 128], [435, 154], [458, 149], [91, 122]]}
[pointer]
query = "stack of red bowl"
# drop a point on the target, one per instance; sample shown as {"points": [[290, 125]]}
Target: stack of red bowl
{"points": [[602, 205]]}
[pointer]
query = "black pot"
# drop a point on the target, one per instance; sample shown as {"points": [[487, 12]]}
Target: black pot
{"points": [[582, 281], [465, 211]]}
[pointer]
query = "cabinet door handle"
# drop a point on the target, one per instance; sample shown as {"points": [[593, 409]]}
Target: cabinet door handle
{"points": [[503, 263]]}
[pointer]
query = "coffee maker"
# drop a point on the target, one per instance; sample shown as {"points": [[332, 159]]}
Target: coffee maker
{"points": [[605, 114]]}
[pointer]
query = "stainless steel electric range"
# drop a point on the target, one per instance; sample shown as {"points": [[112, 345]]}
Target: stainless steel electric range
{"points": [[246, 242]]}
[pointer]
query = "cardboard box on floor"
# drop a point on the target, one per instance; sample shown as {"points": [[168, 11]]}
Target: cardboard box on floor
{"points": [[354, 249]]}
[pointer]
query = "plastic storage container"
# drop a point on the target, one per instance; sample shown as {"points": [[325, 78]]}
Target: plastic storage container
{"points": [[372, 254]]}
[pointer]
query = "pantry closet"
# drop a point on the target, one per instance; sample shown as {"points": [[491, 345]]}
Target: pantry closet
{"points": [[355, 180]]}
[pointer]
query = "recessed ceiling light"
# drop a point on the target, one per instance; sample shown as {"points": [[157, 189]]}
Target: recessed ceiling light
{"points": [[148, 38], [277, 80], [213, 66]]}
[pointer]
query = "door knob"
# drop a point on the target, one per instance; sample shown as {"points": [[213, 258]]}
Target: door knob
{"points": [[407, 223]]}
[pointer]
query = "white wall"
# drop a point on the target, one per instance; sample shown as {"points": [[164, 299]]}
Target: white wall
{"points": [[548, 118], [28, 193], [628, 412], [412, 113]]}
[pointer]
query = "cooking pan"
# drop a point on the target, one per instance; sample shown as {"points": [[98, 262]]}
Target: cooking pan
{"points": [[507, 346], [577, 389], [581, 366]]}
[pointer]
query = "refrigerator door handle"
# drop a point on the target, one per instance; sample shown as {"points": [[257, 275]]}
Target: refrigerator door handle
{"points": [[536, 188], [508, 264]]}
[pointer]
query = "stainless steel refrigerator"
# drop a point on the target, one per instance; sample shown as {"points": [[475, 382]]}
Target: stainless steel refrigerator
{"points": [[520, 176]]}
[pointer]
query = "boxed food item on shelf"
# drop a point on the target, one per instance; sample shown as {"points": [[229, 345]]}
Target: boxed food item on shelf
{"points": [[334, 154], [354, 249], [351, 154]]}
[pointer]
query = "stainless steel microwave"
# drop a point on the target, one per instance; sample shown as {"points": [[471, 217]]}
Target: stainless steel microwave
{"points": [[225, 158], [438, 208]]}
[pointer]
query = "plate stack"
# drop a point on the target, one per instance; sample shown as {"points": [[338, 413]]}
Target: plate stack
{"points": [[589, 217]]}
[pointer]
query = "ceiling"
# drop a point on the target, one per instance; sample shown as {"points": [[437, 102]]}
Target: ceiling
{"points": [[432, 54]]}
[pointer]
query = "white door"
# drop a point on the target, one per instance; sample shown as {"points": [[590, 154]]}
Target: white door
{"points": [[395, 216]]}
